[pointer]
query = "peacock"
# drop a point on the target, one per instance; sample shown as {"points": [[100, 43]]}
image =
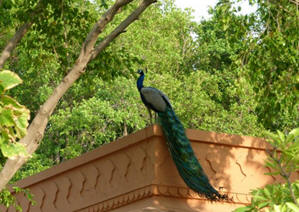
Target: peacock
{"points": [[178, 144]]}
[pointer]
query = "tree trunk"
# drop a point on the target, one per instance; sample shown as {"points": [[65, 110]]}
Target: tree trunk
{"points": [[88, 51]]}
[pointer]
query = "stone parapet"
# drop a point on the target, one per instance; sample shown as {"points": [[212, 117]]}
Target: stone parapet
{"points": [[136, 173]]}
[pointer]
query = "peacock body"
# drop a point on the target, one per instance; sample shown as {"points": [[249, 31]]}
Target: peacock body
{"points": [[178, 144]]}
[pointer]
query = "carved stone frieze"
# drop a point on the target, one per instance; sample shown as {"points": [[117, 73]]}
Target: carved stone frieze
{"points": [[158, 190]]}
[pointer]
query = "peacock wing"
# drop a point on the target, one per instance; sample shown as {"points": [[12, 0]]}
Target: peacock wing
{"points": [[155, 98]]}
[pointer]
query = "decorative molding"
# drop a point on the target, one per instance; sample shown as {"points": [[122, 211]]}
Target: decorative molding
{"points": [[210, 164], [42, 199], [68, 189], [57, 190], [83, 182], [160, 190], [129, 164], [97, 176], [241, 170]]}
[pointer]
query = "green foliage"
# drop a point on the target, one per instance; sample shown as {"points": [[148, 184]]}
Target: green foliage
{"points": [[13, 126], [13, 117], [276, 197], [272, 64], [109, 114], [194, 103], [256, 52], [283, 160], [8, 199], [232, 104], [160, 40], [35, 164], [50, 48]]}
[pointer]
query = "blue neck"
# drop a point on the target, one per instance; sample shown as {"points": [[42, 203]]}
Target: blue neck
{"points": [[140, 82]]}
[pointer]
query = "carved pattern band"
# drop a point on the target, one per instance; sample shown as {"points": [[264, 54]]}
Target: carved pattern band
{"points": [[160, 190]]}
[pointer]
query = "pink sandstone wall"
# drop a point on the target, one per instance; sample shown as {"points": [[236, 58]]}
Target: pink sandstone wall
{"points": [[136, 174]]}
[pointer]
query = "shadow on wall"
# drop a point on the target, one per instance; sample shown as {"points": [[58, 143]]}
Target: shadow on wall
{"points": [[233, 163]]}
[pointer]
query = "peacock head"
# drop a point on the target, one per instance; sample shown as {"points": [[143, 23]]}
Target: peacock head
{"points": [[140, 71], [140, 79]]}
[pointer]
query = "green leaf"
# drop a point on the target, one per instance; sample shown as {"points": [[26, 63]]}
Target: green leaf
{"points": [[295, 132], [271, 164], [243, 209], [1, 89], [276, 208], [292, 206], [281, 135], [267, 193], [22, 123], [290, 138], [7, 100], [9, 79], [10, 150], [273, 138], [262, 205], [6, 117]]}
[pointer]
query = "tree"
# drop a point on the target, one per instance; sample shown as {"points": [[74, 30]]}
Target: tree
{"points": [[271, 64], [253, 56], [88, 52], [109, 111]]}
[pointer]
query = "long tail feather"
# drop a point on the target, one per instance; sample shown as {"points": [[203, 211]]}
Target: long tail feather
{"points": [[183, 155]]}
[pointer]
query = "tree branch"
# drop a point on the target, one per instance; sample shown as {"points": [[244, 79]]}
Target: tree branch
{"points": [[11, 45], [122, 26], [296, 2], [37, 127]]}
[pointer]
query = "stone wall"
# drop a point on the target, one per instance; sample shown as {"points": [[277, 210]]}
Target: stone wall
{"points": [[136, 173]]}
